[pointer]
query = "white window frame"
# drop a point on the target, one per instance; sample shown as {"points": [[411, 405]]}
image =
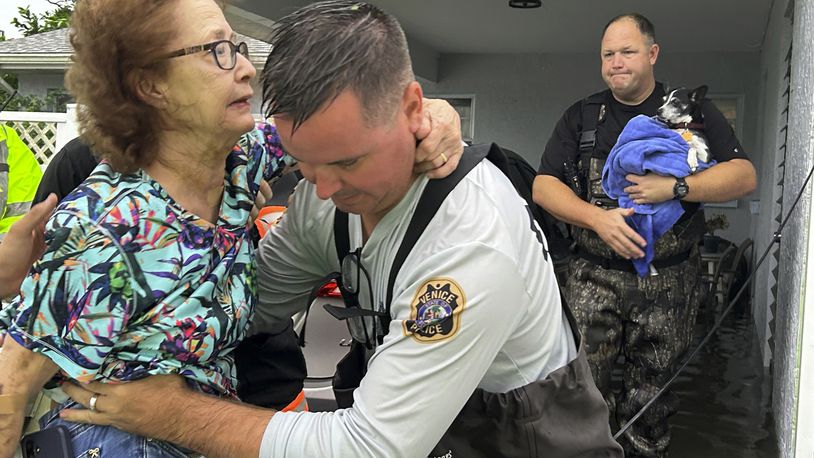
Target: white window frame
{"points": [[738, 98], [467, 125], [738, 128]]}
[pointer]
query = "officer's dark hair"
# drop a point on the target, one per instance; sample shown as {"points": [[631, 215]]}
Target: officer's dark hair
{"points": [[327, 47], [645, 26]]}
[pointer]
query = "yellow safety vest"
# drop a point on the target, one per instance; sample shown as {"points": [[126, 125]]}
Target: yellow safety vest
{"points": [[20, 174]]}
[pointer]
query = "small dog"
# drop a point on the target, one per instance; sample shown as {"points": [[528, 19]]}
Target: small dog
{"points": [[681, 112]]}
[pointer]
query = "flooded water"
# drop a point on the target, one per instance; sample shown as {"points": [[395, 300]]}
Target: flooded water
{"points": [[725, 395]]}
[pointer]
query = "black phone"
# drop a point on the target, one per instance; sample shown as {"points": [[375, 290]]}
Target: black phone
{"points": [[54, 442]]}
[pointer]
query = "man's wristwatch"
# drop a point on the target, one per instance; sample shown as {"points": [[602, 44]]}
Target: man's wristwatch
{"points": [[680, 189]]}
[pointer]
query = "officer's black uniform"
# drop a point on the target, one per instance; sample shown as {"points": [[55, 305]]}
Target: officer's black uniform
{"points": [[650, 319]]}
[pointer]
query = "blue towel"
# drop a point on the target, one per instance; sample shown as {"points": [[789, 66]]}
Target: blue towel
{"points": [[647, 145]]}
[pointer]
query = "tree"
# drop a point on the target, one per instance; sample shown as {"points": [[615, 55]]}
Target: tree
{"points": [[53, 102], [29, 23]]}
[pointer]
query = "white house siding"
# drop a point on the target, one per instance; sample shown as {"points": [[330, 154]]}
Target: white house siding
{"points": [[771, 104], [793, 381]]}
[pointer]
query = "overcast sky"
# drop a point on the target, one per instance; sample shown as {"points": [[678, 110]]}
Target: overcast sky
{"points": [[8, 11]]}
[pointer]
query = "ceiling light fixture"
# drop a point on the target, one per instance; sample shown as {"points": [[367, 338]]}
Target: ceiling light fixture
{"points": [[525, 3]]}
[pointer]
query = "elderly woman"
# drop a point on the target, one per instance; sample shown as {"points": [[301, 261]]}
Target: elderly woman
{"points": [[147, 268]]}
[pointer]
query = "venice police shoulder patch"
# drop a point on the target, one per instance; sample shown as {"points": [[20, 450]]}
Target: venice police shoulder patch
{"points": [[435, 312]]}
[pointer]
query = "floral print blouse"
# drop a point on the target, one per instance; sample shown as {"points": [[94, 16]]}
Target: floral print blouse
{"points": [[132, 285]]}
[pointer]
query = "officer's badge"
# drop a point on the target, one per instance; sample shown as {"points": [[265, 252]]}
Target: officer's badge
{"points": [[435, 312]]}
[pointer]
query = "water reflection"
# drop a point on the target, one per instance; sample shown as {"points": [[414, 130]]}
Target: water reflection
{"points": [[725, 395]]}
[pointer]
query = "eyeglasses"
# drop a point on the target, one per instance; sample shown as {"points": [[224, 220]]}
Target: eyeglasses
{"points": [[224, 52], [362, 321], [362, 326]]}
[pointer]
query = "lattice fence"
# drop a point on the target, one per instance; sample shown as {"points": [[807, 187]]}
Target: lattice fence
{"points": [[37, 130], [39, 136]]}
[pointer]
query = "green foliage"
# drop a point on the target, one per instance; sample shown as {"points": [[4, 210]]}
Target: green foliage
{"points": [[717, 222], [29, 23], [54, 102], [11, 79]]}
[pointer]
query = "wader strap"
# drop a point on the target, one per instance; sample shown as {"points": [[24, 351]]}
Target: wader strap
{"points": [[572, 323], [430, 201], [587, 140], [341, 237], [626, 265], [351, 369], [592, 111]]}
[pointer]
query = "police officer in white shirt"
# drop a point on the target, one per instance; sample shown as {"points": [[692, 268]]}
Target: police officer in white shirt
{"points": [[470, 352], [476, 334]]}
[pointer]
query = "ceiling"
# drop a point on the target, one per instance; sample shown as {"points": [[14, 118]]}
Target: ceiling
{"points": [[559, 26]]}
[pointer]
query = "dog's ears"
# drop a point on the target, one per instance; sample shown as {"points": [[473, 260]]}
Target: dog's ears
{"points": [[698, 93]]}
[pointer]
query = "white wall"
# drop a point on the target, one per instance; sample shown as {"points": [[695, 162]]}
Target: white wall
{"points": [[520, 97]]}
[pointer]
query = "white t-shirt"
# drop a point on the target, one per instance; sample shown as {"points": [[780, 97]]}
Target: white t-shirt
{"points": [[478, 260]]}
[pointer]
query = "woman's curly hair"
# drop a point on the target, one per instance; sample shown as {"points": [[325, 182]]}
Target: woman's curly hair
{"points": [[117, 43]]}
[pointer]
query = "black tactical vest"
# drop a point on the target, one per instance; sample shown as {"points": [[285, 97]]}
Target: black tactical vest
{"points": [[594, 148]]}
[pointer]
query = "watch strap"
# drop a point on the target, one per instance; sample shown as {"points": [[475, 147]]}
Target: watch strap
{"points": [[680, 184]]}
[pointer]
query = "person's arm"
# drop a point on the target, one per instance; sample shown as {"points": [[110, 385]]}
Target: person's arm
{"points": [[67, 169], [22, 375], [550, 191], [162, 407], [23, 245], [559, 200], [731, 178], [440, 144], [410, 395], [722, 182], [288, 263], [23, 178]]}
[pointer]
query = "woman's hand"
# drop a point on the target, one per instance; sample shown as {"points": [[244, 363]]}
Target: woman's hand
{"points": [[440, 145], [23, 245], [22, 375], [263, 196], [650, 188]]}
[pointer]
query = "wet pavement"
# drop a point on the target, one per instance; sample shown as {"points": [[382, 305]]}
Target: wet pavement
{"points": [[725, 395]]}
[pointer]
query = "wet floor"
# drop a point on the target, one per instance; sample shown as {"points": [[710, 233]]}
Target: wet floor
{"points": [[725, 395]]}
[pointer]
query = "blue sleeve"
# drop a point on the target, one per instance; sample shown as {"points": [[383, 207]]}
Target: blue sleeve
{"points": [[265, 155]]}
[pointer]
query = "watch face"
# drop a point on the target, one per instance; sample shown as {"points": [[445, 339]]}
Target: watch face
{"points": [[680, 189]]}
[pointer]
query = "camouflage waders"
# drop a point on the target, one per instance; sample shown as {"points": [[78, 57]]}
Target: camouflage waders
{"points": [[650, 320]]}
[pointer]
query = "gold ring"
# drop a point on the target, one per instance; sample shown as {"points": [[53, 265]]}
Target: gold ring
{"points": [[92, 402], [443, 158]]}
